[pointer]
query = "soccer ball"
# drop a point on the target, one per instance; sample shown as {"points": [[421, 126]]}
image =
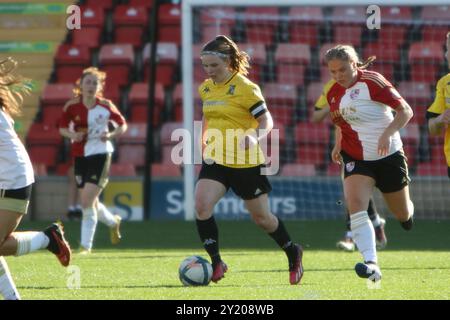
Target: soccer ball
{"points": [[195, 271]]}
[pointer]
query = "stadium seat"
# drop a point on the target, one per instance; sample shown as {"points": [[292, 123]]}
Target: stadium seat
{"points": [[410, 134], [148, 4], [177, 99], [70, 61], [135, 134], [257, 53], [138, 114], [392, 15], [312, 133], [348, 15], [104, 4], [311, 154], [433, 14], [415, 93], [130, 24], [88, 37], [43, 154], [425, 52], [313, 92], [117, 61], [419, 115], [132, 153], [435, 33], [411, 153], [386, 53], [166, 132], [291, 74], [287, 53], [260, 24], [165, 170], [386, 69], [347, 34], [210, 32], [122, 170], [304, 24], [298, 170], [52, 115], [392, 35], [92, 16], [169, 16], [43, 134], [138, 95], [167, 59], [222, 16], [56, 94], [112, 91], [280, 95], [431, 169]]}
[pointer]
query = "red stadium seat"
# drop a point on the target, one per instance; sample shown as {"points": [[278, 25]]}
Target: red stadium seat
{"points": [[221, 16], [117, 60], [165, 170], [210, 32], [431, 169], [395, 14], [435, 13], [383, 51], [88, 37], [148, 4], [52, 115], [298, 170], [92, 17], [260, 24], [282, 114], [122, 170], [386, 69], [410, 134], [419, 115], [70, 62], [312, 133], [392, 35], [166, 132], [411, 153], [280, 95], [257, 53], [138, 114], [169, 16], [104, 4], [347, 34], [56, 94], [45, 154], [288, 53], [311, 154], [349, 15], [43, 134], [435, 33], [139, 95], [136, 134], [132, 153], [304, 23], [313, 92], [426, 52], [167, 58], [130, 23], [291, 74], [415, 93]]}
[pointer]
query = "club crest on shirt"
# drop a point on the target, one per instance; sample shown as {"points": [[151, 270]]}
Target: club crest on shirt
{"points": [[354, 94], [205, 89], [231, 89], [100, 119], [350, 166]]}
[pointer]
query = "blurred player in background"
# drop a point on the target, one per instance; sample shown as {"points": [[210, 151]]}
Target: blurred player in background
{"points": [[370, 148], [74, 210], [90, 114], [232, 102], [16, 179], [321, 110], [438, 114]]}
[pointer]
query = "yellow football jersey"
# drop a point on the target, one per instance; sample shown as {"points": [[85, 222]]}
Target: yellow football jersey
{"points": [[322, 101], [229, 110], [440, 104]]}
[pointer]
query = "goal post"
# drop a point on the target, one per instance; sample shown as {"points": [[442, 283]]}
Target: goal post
{"points": [[315, 180]]}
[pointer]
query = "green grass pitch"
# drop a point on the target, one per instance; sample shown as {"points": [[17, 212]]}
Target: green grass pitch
{"points": [[415, 264]]}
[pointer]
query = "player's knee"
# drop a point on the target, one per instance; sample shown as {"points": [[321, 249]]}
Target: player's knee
{"points": [[203, 209]]}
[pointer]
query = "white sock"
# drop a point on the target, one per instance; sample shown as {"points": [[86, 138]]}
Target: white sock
{"points": [[364, 235], [376, 222], [88, 226], [7, 287], [105, 216], [411, 209], [30, 241]]}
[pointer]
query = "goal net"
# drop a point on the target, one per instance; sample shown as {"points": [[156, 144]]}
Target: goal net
{"points": [[286, 44]]}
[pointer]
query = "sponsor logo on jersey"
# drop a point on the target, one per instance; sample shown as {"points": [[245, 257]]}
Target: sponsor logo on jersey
{"points": [[231, 89], [206, 90], [354, 94]]}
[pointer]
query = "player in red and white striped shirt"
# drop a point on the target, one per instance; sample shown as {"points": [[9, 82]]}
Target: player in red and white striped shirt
{"points": [[361, 104], [90, 115]]}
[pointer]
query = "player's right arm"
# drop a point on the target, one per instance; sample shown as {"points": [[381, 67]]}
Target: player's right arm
{"points": [[437, 116], [65, 121]]}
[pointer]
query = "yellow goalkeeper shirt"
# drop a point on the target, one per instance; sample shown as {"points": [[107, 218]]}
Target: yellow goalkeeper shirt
{"points": [[440, 104], [229, 110]]}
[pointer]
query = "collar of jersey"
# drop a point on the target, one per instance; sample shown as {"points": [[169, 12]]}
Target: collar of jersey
{"points": [[359, 73], [226, 82]]}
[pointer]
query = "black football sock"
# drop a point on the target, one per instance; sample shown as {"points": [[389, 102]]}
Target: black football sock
{"points": [[282, 238], [209, 235]]}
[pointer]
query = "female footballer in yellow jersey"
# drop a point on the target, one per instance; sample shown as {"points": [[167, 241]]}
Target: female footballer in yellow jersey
{"points": [[234, 111], [438, 114]]}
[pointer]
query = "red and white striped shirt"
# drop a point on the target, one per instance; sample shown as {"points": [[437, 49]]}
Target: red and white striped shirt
{"points": [[363, 112], [93, 122]]}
